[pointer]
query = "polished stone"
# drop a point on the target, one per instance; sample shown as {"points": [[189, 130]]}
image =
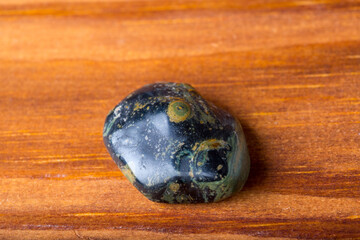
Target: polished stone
{"points": [[175, 147]]}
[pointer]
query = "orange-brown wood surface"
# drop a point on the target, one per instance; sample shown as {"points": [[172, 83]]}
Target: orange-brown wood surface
{"points": [[288, 69]]}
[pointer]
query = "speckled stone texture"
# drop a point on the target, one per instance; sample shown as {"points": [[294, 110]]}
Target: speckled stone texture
{"points": [[175, 147]]}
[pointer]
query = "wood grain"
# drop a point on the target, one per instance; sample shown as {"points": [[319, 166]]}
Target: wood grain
{"points": [[289, 70]]}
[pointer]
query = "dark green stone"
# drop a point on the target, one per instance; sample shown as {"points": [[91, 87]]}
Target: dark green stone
{"points": [[175, 147]]}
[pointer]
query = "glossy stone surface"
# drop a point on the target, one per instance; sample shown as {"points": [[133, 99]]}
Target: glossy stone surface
{"points": [[175, 147]]}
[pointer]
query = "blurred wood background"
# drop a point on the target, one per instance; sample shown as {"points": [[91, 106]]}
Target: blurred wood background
{"points": [[288, 69]]}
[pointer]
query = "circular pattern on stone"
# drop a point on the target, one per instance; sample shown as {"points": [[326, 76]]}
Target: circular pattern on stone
{"points": [[178, 111]]}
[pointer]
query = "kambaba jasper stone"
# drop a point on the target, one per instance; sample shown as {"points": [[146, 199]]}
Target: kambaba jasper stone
{"points": [[175, 147]]}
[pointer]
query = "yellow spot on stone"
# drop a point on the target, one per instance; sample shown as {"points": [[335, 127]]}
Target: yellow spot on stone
{"points": [[178, 111], [195, 146], [174, 187], [219, 167], [201, 122], [139, 106], [212, 144], [128, 174], [200, 164]]}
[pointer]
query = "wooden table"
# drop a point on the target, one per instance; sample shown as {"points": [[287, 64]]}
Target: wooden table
{"points": [[289, 70]]}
